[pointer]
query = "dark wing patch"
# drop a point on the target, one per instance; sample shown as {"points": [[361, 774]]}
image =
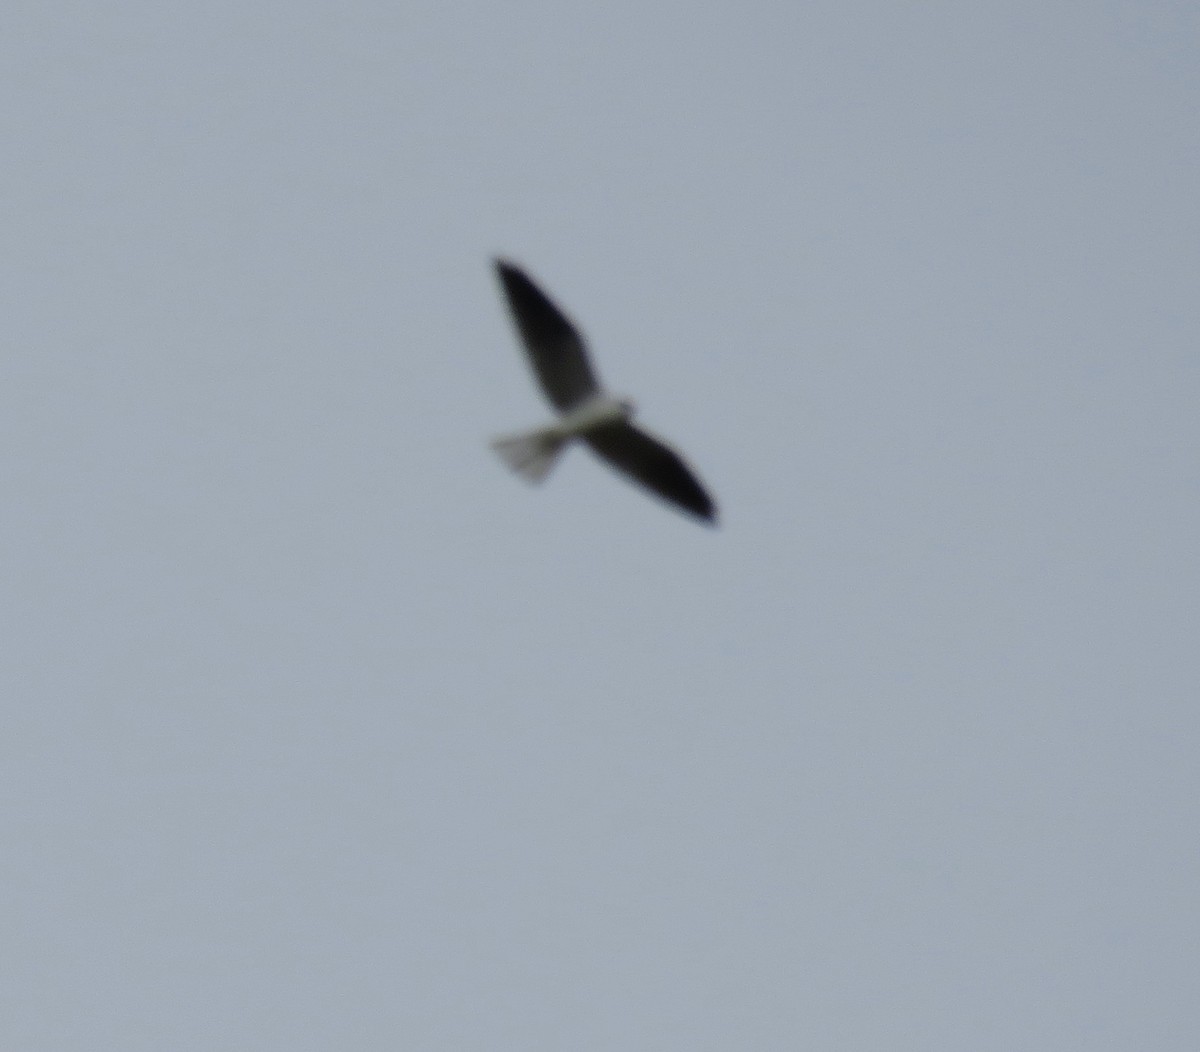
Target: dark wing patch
{"points": [[654, 465], [555, 347]]}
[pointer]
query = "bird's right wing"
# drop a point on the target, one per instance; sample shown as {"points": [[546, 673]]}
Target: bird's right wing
{"points": [[654, 465], [555, 347]]}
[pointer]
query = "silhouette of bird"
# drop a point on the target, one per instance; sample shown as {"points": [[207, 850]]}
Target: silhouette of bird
{"points": [[559, 357]]}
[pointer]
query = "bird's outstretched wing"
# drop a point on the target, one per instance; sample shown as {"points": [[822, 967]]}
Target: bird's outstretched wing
{"points": [[654, 465], [555, 347]]}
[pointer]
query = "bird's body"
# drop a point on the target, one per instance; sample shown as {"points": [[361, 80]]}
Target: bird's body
{"points": [[560, 362], [597, 411], [533, 453]]}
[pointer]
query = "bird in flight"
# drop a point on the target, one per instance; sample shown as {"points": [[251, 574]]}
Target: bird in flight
{"points": [[559, 358]]}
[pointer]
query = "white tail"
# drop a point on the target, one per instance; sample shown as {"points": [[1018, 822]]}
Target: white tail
{"points": [[531, 454]]}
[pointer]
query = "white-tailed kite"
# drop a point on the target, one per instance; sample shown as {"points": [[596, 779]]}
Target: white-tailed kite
{"points": [[560, 362]]}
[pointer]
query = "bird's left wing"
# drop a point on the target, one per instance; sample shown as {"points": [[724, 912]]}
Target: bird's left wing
{"points": [[554, 345], [654, 465]]}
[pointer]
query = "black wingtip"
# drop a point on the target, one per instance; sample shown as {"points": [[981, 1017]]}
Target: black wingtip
{"points": [[692, 498], [705, 514], [702, 512], [688, 494], [518, 285], [507, 269]]}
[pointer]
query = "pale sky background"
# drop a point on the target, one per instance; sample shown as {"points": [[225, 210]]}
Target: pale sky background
{"points": [[321, 730]]}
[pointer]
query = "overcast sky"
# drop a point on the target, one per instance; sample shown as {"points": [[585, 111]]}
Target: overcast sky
{"points": [[322, 730]]}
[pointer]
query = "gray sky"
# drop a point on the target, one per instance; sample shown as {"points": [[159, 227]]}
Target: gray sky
{"points": [[323, 731]]}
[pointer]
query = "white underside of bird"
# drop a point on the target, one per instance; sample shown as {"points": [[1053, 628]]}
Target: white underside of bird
{"points": [[533, 454]]}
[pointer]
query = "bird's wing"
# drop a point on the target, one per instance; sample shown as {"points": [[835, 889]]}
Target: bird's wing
{"points": [[654, 465], [555, 348]]}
